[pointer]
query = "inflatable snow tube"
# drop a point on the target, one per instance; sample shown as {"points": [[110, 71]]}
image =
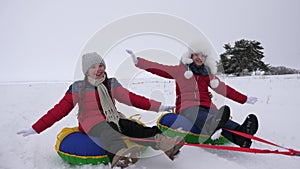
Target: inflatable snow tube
{"points": [[78, 148], [172, 124]]}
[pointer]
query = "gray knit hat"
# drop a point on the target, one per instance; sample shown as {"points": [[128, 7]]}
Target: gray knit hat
{"points": [[89, 59]]}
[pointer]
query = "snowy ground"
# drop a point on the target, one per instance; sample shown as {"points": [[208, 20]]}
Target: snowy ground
{"points": [[22, 104]]}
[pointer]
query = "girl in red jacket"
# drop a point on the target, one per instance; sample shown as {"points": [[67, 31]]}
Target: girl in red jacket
{"points": [[98, 116], [193, 79]]}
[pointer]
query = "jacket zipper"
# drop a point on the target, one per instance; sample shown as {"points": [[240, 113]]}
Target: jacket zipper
{"points": [[196, 88]]}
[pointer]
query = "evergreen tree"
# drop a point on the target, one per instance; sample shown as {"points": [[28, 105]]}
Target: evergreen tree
{"points": [[245, 56]]}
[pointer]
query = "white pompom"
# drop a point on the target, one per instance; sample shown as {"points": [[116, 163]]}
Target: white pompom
{"points": [[214, 83], [188, 74]]}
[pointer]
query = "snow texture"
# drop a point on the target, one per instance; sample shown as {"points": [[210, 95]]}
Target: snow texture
{"points": [[23, 103]]}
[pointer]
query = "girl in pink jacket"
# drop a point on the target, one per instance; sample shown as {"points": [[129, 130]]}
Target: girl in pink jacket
{"points": [[193, 99], [98, 116]]}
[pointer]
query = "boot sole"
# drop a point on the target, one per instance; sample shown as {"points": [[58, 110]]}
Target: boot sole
{"points": [[134, 153], [254, 124], [176, 148]]}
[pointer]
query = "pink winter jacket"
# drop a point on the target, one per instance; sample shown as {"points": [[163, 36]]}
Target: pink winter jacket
{"points": [[91, 111], [193, 91]]}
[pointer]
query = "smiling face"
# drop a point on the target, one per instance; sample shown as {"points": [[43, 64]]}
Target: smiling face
{"points": [[199, 58], [96, 71]]}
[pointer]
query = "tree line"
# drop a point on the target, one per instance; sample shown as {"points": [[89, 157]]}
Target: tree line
{"points": [[245, 58]]}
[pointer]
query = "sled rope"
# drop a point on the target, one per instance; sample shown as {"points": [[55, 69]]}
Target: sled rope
{"points": [[288, 151]]}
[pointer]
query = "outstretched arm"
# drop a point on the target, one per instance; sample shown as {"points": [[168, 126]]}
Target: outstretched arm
{"points": [[228, 91], [59, 111], [232, 94], [165, 71], [129, 98]]}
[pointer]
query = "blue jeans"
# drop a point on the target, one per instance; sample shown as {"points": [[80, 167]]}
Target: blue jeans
{"points": [[231, 125], [205, 120]]}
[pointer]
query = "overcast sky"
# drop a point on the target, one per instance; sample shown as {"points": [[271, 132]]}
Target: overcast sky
{"points": [[42, 40]]}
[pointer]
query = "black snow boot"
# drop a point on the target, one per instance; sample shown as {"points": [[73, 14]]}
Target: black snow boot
{"points": [[221, 121], [225, 116], [250, 127]]}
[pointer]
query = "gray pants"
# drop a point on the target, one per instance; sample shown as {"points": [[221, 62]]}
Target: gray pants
{"points": [[111, 137]]}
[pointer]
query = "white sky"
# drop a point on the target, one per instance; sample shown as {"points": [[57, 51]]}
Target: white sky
{"points": [[42, 40]]}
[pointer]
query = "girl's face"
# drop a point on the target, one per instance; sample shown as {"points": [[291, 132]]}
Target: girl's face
{"points": [[198, 58], [96, 71]]}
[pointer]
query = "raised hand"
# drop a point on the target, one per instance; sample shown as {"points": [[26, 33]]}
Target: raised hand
{"points": [[133, 56]]}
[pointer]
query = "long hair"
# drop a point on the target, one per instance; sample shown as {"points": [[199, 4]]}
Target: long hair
{"points": [[81, 94]]}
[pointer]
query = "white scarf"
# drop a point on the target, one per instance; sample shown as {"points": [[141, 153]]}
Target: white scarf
{"points": [[108, 107]]}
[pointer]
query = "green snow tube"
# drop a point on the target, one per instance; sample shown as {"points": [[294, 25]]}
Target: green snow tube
{"points": [[172, 125]]}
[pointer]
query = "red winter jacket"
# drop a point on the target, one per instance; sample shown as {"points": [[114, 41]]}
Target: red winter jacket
{"points": [[91, 113], [193, 91]]}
